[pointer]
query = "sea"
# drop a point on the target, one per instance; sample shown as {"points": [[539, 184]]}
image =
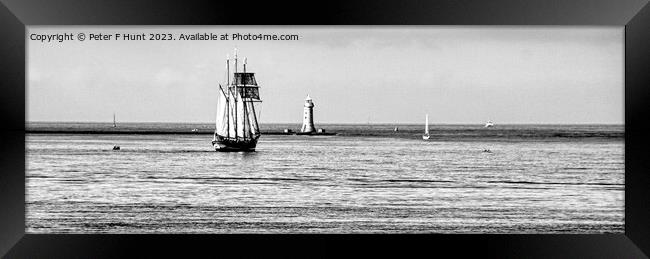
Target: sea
{"points": [[368, 178]]}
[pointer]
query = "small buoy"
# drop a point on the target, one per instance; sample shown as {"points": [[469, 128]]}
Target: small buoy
{"points": [[116, 147]]}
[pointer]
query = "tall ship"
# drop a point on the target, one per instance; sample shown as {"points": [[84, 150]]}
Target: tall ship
{"points": [[236, 123]]}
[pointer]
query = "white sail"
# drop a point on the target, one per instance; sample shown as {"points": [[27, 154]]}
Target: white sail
{"points": [[242, 132], [222, 115], [232, 109], [426, 127], [252, 119], [247, 124]]}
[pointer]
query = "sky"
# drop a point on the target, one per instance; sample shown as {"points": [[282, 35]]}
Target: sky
{"points": [[355, 74]]}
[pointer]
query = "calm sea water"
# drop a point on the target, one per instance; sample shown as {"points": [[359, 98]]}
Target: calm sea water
{"points": [[368, 179]]}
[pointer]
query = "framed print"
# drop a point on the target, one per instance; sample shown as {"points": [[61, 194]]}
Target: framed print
{"points": [[514, 128]]}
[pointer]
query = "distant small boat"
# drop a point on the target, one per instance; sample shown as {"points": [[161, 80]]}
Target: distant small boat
{"points": [[489, 124], [396, 129], [426, 128], [114, 125], [116, 147]]}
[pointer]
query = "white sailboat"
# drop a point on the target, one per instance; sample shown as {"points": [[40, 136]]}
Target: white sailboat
{"points": [[489, 124], [426, 129]]}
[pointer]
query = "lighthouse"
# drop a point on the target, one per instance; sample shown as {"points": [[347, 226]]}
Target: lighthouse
{"points": [[308, 118]]}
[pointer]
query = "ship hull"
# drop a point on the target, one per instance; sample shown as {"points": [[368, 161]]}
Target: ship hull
{"points": [[234, 145]]}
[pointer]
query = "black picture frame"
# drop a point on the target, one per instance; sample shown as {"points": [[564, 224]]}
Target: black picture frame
{"points": [[15, 15]]}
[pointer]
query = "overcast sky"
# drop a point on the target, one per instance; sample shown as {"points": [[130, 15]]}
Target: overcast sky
{"points": [[393, 74]]}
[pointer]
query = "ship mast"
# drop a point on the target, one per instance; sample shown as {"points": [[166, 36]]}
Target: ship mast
{"points": [[252, 108], [426, 136], [235, 85], [246, 121], [227, 97]]}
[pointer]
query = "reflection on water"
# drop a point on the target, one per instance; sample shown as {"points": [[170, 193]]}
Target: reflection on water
{"points": [[325, 184]]}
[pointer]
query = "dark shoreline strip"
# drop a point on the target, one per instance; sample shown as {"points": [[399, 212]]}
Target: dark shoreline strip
{"points": [[152, 132], [440, 137]]}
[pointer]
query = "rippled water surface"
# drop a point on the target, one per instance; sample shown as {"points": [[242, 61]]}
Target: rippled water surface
{"points": [[325, 184]]}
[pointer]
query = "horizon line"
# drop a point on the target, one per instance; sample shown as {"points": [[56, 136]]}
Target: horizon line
{"points": [[356, 123]]}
